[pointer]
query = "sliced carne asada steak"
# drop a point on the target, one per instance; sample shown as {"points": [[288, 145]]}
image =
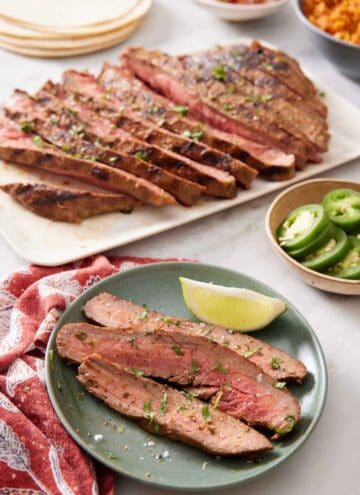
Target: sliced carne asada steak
{"points": [[25, 149], [157, 109], [111, 311], [94, 127], [238, 84], [244, 391], [169, 76], [58, 130], [84, 84], [283, 68], [67, 205], [163, 410]]}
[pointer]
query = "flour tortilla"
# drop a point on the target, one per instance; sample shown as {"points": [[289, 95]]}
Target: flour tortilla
{"points": [[60, 53], [65, 13]]}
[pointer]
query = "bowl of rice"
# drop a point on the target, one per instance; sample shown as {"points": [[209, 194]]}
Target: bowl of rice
{"points": [[335, 27]]}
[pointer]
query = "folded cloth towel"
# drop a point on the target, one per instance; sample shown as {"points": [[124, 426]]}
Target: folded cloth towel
{"points": [[37, 456]]}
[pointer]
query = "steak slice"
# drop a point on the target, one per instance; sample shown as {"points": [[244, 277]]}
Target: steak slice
{"points": [[244, 391], [169, 76], [239, 83], [94, 127], [21, 148], [84, 84], [283, 68], [157, 109], [58, 130], [67, 205], [111, 311], [161, 409]]}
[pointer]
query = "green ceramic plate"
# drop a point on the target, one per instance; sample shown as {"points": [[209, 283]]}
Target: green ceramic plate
{"points": [[154, 459]]}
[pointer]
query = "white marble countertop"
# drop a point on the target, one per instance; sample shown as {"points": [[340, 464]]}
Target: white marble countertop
{"points": [[329, 461]]}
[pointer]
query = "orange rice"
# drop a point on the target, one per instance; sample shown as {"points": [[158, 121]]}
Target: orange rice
{"points": [[341, 18]]}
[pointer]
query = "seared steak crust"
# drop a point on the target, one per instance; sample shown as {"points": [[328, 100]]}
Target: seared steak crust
{"points": [[111, 311], [58, 130], [244, 390], [67, 205], [94, 127], [161, 409], [142, 101], [169, 75], [19, 147], [262, 92], [86, 85]]}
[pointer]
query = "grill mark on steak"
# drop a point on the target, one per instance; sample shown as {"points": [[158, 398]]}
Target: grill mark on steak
{"points": [[295, 116], [19, 147], [141, 100], [61, 134], [110, 311], [201, 362], [216, 182], [85, 84], [282, 67], [65, 205], [167, 75], [179, 420]]}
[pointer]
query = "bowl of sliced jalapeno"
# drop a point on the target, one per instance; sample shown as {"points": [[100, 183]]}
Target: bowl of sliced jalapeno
{"points": [[314, 227]]}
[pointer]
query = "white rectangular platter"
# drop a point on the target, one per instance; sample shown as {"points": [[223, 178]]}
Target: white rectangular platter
{"points": [[44, 242]]}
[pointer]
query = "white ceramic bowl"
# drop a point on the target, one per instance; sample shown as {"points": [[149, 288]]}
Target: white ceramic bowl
{"points": [[310, 191], [242, 12]]}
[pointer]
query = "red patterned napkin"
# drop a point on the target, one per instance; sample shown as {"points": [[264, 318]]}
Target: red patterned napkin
{"points": [[37, 456]]}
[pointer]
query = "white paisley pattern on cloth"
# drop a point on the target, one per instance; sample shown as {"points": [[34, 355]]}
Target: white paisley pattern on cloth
{"points": [[6, 404], [7, 301], [14, 334], [61, 283], [15, 455], [56, 471], [18, 372], [19, 491]]}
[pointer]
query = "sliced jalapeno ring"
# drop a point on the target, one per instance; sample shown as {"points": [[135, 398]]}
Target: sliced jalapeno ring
{"points": [[348, 267], [302, 226], [317, 243], [329, 254], [343, 208]]}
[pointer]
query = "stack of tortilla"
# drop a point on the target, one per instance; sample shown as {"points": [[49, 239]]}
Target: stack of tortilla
{"points": [[54, 28]]}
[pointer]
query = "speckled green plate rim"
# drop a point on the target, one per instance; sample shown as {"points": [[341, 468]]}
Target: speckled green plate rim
{"points": [[257, 471]]}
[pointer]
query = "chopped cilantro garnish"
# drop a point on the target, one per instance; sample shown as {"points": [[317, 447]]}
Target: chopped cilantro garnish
{"points": [[26, 127], [148, 414], [111, 455], [195, 135], [38, 142], [251, 352], [194, 367], [227, 107], [206, 414], [280, 385], [218, 398], [188, 396], [164, 404], [132, 341], [54, 120], [219, 367], [268, 66], [177, 350], [181, 110], [275, 363], [219, 72], [181, 408], [121, 429], [144, 313], [264, 98], [59, 386], [156, 428], [141, 155], [249, 98], [230, 90], [322, 94], [137, 372], [72, 111]]}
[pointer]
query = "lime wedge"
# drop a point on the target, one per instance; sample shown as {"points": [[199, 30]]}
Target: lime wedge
{"points": [[238, 309]]}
